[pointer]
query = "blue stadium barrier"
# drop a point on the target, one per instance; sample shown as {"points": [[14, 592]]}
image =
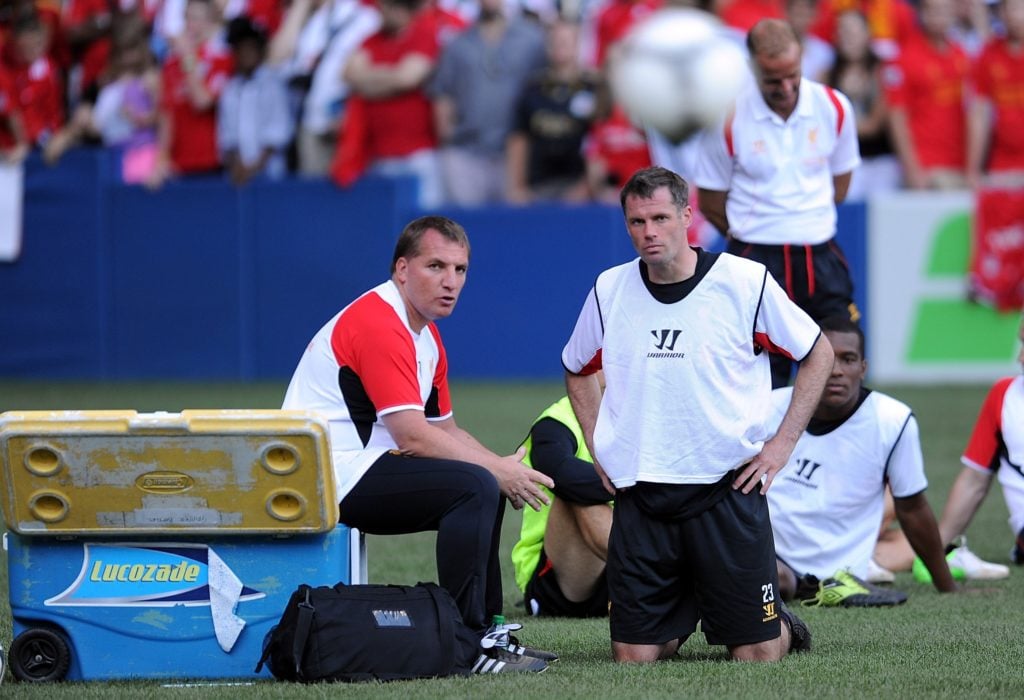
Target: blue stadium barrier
{"points": [[203, 280]]}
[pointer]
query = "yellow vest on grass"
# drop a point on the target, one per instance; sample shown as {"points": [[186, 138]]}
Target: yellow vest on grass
{"points": [[526, 553]]}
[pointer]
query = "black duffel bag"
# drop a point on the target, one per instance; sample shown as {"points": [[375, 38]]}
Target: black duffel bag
{"points": [[369, 632]]}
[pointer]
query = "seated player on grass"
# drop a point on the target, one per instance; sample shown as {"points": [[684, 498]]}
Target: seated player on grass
{"points": [[995, 451], [826, 505], [562, 548]]}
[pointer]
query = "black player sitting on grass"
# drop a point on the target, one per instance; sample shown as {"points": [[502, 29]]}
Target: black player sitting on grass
{"points": [[827, 503]]}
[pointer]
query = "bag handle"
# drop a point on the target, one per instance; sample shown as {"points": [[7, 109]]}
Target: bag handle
{"points": [[302, 628], [447, 631]]}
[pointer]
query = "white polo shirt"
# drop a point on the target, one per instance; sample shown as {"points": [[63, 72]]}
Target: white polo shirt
{"points": [[778, 173]]}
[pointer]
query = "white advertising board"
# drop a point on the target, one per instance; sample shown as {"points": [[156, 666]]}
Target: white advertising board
{"points": [[921, 326]]}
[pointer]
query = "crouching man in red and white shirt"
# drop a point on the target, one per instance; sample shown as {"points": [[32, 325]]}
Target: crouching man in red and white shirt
{"points": [[378, 372]]}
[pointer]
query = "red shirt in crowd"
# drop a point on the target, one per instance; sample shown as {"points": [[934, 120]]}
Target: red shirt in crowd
{"points": [[744, 14], [194, 132], [96, 55], [402, 124], [38, 91], [999, 76], [266, 13], [928, 83], [614, 21], [620, 145]]}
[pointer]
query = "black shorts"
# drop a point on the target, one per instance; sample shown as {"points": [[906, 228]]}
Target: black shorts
{"points": [[544, 597], [816, 277], [715, 564]]}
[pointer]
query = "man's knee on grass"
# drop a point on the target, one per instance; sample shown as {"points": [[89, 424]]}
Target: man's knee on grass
{"points": [[624, 653], [770, 650]]}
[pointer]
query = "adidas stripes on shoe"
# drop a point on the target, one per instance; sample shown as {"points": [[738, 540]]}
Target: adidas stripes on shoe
{"points": [[516, 648], [495, 637], [498, 660]]}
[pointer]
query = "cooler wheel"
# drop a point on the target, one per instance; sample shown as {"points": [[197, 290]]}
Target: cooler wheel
{"points": [[39, 655]]}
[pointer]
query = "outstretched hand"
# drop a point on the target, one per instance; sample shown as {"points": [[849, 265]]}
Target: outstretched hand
{"points": [[520, 484]]}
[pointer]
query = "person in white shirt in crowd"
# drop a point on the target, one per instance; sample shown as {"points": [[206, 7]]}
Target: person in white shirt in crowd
{"points": [[254, 124], [312, 45]]}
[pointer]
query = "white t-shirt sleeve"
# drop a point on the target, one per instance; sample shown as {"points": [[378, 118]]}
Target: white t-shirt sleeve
{"points": [[846, 155], [781, 325], [713, 170], [905, 469], [582, 352]]}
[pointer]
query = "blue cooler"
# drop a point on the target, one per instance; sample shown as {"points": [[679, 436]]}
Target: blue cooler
{"points": [[163, 545]]}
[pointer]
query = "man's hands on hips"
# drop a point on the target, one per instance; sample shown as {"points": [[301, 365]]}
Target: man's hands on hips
{"points": [[810, 382], [767, 464]]}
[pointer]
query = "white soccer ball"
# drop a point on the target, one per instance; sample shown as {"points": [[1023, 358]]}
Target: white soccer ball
{"points": [[678, 71]]}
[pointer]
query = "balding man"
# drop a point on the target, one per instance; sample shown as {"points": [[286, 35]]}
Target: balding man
{"points": [[771, 174]]}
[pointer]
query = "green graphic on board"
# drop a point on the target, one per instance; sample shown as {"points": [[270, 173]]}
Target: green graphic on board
{"points": [[951, 250], [953, 329]]}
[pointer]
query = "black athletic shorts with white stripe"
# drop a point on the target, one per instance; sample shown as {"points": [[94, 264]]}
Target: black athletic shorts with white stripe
{"points": [[682, 553]]}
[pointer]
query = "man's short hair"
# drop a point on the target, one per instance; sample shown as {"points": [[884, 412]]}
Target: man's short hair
{"points": [[647, 181], [771, 38], [843, 324], [408, 245]]}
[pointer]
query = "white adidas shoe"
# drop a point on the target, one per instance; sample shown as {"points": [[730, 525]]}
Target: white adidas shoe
{"points": [[500, 638], [498, 660], [973, 566]]}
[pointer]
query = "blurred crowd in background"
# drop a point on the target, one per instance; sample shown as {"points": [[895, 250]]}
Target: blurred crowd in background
{"points": [[484, 101]]}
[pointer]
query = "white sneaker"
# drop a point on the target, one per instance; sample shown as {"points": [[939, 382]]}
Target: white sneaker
{"points": [[973, 566], [878, 573]]}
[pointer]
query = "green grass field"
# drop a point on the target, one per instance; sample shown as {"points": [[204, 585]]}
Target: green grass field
{"points": [[955, 646]]}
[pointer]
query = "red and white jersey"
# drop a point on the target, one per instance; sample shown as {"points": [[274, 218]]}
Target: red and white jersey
{"points": [[929, 83], [997, 443], [688, 383], [401, 124], [194, 131], [827, 502], [365, 363], [39, 93], [998, 75], [778, 172]]}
